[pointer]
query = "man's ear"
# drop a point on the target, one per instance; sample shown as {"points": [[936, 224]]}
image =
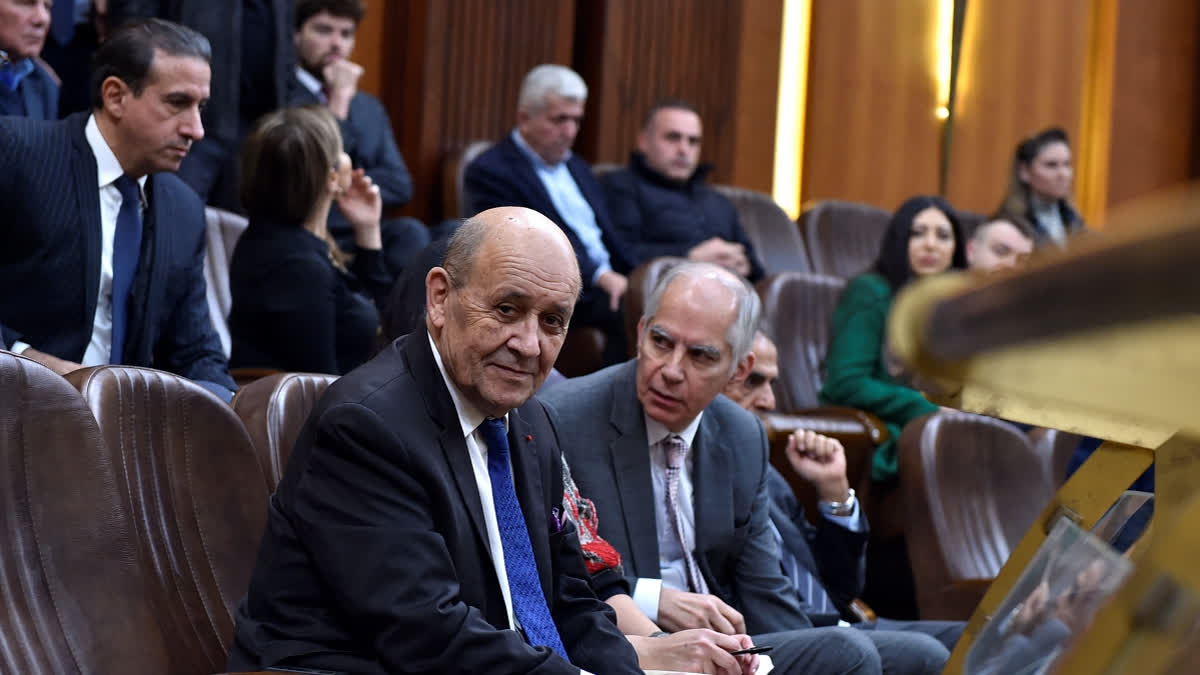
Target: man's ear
{"points": [[641, 327], [743, 367], [115, 94], [437, 292]]}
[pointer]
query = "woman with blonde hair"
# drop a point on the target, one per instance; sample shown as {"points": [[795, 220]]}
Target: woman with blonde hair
{"points": [[296, 304]]}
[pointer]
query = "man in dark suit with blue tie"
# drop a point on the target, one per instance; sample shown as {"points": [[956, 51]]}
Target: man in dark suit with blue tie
{"points": [[104, 247], [533, 166], [419, 526], [26, 88]]}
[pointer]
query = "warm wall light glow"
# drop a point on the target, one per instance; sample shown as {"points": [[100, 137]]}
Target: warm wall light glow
{"points": [[793, 96], [942, 112], [943, 53]]}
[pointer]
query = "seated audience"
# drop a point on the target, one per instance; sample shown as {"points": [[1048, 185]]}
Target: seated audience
{"points": [[922, 238], [325, 75], [296, 306], [109, 252], [418, 526], [27, 89], [1002, 242], [677, 475], [827, 563], [533, 167], [1039, 189], [661, 206]]}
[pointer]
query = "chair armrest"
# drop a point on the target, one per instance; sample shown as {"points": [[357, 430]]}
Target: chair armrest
{"points": [[243, 376], [861, 611]]}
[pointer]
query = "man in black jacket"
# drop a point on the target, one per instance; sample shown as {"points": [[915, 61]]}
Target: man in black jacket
{"points": [[660, 205], [325, 75]]}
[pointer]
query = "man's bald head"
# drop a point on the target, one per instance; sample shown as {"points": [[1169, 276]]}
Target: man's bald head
{"points": [[506, 226]]}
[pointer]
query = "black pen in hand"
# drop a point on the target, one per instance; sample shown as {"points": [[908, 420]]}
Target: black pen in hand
{"points": [[751, 650]]}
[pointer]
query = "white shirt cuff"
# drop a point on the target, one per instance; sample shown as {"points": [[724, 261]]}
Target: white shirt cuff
{"points": [[599, 271], [852, 522], [645, 596], [19, 347]]}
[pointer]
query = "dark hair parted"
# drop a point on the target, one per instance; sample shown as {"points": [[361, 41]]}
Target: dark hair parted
{"points": [[893, 263], [1016, 201], [128, 54], [286, 161], [668, 104], [354, 10]]}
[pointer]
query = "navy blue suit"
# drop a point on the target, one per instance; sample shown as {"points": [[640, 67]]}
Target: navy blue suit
{"points": [[36, 96], [50, 261]]}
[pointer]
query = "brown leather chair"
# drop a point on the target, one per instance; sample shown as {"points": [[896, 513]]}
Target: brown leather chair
{"points": [[199, 501], [454, 197], [1055, 448], [273, 410], [798, 314], [972, 486], [75, 602], [224, 230], [843, 238], [776, 238], [642, 281]]}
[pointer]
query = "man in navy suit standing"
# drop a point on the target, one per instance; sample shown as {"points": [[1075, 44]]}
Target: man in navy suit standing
{"points": [[104, 246], [533, 167]]}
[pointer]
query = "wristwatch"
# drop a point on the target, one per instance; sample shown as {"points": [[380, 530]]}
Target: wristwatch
{"points": [[845, 508]]}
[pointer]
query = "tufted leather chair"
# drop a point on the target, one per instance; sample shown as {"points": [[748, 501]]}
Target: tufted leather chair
{"points": [[798, 314], [972, 487], [842, 238], [199, 501], [776, 238], [273, 410], [642, 281], [74, 598], [453, 176], [224, 230]]}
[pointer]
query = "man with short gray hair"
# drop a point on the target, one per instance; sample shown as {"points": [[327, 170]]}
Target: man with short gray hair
{"points": [[533, 167]]}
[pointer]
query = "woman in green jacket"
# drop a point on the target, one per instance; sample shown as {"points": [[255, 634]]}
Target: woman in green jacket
{"points": [[923, 238]]}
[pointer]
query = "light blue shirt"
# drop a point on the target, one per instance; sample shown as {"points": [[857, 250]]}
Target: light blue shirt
{"points": [[571, 205]]}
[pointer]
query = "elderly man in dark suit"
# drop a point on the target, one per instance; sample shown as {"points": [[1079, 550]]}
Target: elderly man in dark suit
{"points": [[103, 247], [533, 167], [26, 88], [419, 524], [825, 563], [677, 473]]}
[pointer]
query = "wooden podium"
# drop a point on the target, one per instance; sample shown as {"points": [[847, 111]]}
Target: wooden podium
{"points": [[1102, 340]]}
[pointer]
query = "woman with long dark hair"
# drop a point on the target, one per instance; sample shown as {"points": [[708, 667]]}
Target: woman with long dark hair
{"points": [[1039, 188]]}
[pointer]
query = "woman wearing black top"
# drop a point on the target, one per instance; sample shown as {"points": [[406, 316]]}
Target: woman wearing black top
{"points": [[296, 305]]}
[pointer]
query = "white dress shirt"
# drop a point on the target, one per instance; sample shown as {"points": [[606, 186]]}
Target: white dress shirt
{"points": [[108, 170]]}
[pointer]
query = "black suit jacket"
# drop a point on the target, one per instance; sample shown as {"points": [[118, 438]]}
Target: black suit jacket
{"points": [[836, 555], [504, 176], [610, 461], [375, 558], [50, 260]]}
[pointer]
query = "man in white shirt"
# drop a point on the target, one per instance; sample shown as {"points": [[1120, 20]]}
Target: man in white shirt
{"points": [[677, 473], [104, 246]]}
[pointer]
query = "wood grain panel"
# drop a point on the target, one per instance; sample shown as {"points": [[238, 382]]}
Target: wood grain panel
{"points": [[870, 132], [720, 55], [1023, 69], [1156, 84]]}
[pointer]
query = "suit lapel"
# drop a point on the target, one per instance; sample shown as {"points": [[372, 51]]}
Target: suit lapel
{"points": [[87, 198], [630, 453], [530, 177], [712, 494]]}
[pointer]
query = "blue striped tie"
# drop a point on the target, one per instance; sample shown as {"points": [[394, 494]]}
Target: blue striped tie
{"points": [[127, 245], [805, 582], [529, 603]]}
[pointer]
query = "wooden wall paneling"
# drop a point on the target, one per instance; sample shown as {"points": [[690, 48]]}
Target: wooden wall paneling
{"points": [[452, 73], [756, 102], [1156, 86], [870, 131], [369, 49], [1024, 64]]}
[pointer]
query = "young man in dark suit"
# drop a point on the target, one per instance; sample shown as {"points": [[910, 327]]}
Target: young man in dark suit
{"points": [[533, 167], [419, 524], [325, 75], [677, 473], [104, 246]]}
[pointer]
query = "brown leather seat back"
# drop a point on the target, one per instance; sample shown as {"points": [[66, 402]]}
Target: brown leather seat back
{"points": [[642, 281], [777, 240], [75, 602], [843, 238], [455, 175], [972, 486], [798, 313], [273, 410], [199, 501]]}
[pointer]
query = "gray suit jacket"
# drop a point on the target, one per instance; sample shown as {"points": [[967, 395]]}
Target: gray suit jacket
{"points": [[609, 454]]}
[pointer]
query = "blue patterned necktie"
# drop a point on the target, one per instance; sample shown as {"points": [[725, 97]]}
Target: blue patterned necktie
{"points": [[529, 603], [127, 245]]}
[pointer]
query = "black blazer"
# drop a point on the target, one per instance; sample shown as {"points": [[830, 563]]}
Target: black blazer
{"points": [[50, 260], [836, 555], [503, 176], [734, 545], [375, 558], [293, 309]]}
